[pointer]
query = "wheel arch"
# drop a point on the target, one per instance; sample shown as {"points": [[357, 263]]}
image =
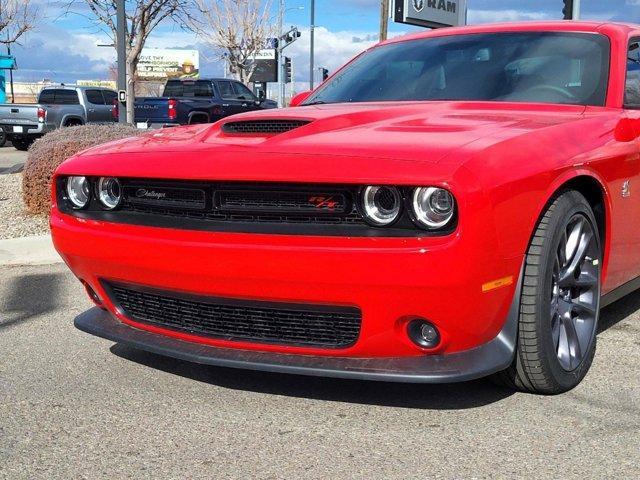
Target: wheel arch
{"points": [[594, 189], [72, 118], [203, 115]]}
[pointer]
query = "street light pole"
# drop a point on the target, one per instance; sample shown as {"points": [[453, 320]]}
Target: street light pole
{"points": [[576, 10], [312, 46], [121, 39]]}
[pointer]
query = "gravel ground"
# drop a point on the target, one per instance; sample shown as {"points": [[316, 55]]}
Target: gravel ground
{"points": [[14, 222], [73, 406]]}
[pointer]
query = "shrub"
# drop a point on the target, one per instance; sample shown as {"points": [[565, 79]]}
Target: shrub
{"points": [[52, 149]]}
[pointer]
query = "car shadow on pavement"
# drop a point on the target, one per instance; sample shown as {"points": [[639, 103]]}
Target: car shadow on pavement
{"points": [[618, 311], [419, 396], [437, 397], [27, 296]]}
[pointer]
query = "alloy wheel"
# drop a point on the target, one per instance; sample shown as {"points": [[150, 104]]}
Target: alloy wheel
{"points": [[575, 295]]}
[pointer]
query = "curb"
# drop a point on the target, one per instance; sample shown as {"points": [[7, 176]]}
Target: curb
{"points": [[37, 250]]}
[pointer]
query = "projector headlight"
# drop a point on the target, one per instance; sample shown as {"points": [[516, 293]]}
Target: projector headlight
{"points": [[381, 205], [432, 207], [78, 192], [109, 192]]}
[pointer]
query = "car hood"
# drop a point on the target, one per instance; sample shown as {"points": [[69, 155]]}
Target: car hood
{"points": [[369, 137]]}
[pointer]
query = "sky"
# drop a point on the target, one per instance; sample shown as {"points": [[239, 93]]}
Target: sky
{"points": [[64, 46]]}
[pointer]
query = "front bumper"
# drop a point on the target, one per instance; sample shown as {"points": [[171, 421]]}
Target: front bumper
{"points": [[391, 281], [457, 367]]}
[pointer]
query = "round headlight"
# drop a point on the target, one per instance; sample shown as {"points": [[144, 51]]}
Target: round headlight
{"points": [[433, 208], [381, 205], [109, 192], [78, 191]]}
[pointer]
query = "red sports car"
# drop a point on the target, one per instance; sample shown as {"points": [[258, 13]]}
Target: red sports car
{"points": [[449, 205]]}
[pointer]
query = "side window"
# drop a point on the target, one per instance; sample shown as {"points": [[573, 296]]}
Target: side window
{"points": [[226, 91], [94, 97], [203, 89], [46, 96], [632, 87], [66, 97], [173, 89], [242, 92], [109, 97]]}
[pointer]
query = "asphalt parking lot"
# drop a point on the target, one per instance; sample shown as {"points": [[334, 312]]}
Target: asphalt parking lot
{"points": [[74, 406], [9, 157]]}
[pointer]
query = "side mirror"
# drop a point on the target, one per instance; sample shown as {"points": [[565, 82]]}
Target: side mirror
{"points": [[299, 98]]}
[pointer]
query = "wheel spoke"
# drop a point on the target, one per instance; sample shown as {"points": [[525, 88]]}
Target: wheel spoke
{"points": [[582, 309], [573, 342], [568, 277], [555, 330]]}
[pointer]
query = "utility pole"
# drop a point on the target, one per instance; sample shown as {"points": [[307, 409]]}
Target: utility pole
{"points": [[121, 39], [280, 59], [312, 50], [384, 19]]}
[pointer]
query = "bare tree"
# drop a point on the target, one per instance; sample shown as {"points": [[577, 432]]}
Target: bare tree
{"points": [[237, 29], [143, 16], [17, 17]]}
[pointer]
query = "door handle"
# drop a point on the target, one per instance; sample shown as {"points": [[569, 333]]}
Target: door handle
{"points": [[225, 104], [92, 110]]}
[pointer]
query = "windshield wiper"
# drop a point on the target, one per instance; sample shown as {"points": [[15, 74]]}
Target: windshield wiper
{"points": [[315, 102]]}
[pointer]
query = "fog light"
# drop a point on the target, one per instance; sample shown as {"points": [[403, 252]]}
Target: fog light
{"points": [[423, 334]]}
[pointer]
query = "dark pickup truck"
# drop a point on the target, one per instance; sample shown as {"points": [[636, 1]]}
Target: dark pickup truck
{"points": [[187, 102]]}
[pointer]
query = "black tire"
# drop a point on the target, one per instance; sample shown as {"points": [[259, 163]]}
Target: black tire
{"points": [[21, 144], [3, 138], [543, 362]]}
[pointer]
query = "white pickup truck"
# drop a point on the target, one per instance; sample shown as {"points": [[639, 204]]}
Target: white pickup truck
{"points": [[58, 106]]}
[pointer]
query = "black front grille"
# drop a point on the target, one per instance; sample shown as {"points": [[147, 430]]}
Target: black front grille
{"points": [[239, 320], [244, 203], [269, 127]]}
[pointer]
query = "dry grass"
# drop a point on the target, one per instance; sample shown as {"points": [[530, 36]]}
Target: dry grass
{"points": [[51, 150]]}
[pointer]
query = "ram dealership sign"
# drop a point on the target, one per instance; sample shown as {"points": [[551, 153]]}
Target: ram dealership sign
{"points": [[431, 13]]}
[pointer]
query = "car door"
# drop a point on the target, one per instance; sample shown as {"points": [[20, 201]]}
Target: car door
{"points": [[246, 96], [96, 107], [230, 102], [110, 99], [626, 189]]}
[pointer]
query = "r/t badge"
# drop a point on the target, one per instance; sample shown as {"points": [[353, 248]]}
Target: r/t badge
{"points": [[626, 189]]}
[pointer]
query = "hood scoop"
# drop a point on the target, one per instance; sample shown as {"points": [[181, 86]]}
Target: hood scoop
{"points": [[262, 127]]}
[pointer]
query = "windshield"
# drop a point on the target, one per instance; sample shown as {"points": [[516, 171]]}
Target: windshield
{"points": [[566, 68]]}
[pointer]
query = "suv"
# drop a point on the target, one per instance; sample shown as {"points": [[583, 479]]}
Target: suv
{"points": [[186, 102], [59, 106]]}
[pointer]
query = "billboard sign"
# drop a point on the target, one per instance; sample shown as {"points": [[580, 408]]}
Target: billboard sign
{"points": [[168, 63], [431, 13], [97, 83], [266, 66]]}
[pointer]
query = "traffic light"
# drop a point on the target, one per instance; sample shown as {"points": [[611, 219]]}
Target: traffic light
{"points": [[567, 11], [287, 69], [325, 74]]}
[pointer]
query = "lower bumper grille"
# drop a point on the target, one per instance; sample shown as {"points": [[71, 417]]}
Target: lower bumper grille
{"points": [[240, 320]]}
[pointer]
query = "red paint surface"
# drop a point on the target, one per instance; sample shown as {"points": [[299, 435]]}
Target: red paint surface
{"points": [[502, 161]]}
